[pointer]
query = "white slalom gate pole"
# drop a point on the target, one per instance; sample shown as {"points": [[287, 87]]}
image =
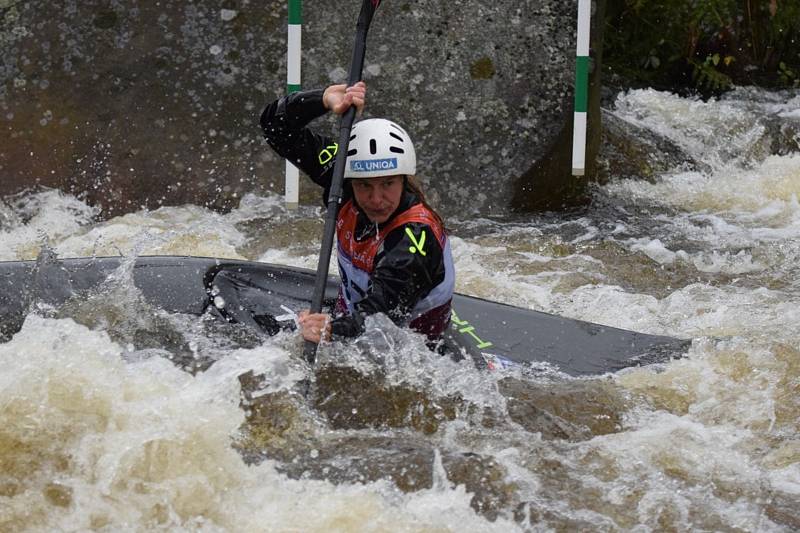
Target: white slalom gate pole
{"points": [[581, 89], [292, 191]]}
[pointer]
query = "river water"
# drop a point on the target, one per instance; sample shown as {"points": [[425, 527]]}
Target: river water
{"points": [[116, 416]]}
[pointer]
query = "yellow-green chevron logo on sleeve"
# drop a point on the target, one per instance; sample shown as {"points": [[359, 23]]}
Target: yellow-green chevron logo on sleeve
{"points": [[418, 245]]}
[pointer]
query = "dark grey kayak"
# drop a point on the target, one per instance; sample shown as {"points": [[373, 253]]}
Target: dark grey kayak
{"points": [[259, 295]]}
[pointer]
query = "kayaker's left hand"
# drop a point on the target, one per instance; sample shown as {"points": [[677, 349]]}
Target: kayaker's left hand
{"points": [[312, 325]]}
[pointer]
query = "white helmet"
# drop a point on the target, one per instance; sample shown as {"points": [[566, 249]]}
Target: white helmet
{"points": [[379, 147]]}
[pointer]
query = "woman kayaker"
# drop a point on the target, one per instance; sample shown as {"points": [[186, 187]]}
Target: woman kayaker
{"points": [[393, 252]]}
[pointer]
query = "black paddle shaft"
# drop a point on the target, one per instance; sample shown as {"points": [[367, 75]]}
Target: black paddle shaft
{"points": [[368, 8]]}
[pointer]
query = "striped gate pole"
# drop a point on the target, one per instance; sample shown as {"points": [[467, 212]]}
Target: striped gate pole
{"points": [[292, 197], [581, 89]]}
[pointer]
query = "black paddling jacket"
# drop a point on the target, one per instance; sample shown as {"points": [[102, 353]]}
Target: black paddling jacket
{"points": [[400, 278]]}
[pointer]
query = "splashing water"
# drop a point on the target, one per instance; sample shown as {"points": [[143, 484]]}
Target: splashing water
{"points": [[116, 415]]}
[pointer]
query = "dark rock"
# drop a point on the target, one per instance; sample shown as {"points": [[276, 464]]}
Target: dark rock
{"points": [[629, 151], [784, 134]]}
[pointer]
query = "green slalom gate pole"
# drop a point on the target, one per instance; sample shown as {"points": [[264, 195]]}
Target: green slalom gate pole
{"points": [[581, 89], [292, 190]]}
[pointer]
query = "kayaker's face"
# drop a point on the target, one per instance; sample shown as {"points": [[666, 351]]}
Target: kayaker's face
{"points": [[378, 197]]}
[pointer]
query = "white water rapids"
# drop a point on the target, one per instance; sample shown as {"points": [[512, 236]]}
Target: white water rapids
{"points": [[98, 433]]}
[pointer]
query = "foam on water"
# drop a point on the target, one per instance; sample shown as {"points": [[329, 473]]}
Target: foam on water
{"points": [[766, 194], [188, 230], [667, 469], [47, 215], [717, 132], [402, 358], [67, 224], [90, 441], [725, 423]]}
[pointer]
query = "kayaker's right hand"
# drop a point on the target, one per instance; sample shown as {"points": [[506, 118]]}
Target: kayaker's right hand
{"points": [[339, 98], [314, 327]]}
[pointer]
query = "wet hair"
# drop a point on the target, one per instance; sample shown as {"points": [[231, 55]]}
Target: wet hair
{"points": [[413, 186]]}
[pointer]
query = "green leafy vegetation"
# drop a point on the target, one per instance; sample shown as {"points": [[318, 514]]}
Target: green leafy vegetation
{"points": [[705, 46]]}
